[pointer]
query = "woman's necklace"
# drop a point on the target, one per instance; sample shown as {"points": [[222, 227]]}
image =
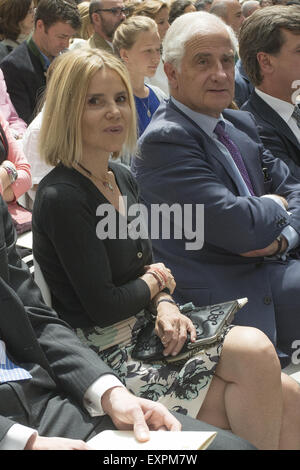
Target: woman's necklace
{"points": [[105, 183], [147, 107]]}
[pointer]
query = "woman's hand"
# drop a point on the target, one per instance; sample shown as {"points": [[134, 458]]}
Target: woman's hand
{"points": [[172, 328], [166, 272]]}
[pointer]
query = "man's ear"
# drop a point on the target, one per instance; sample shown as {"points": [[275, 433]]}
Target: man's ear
{"points": [[171, 73], [96, 19], [39, 26], [265, 62]]}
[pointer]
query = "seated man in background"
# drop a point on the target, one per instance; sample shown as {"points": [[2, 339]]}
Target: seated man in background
{"points": [[269, 48], [197, 154], [24, 69], [55, 392], [105, 15]]}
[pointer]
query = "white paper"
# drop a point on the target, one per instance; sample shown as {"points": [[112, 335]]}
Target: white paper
{"points": [[159, 440]]}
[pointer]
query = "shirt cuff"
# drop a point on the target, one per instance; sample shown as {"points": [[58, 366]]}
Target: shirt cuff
{"points": [[93, 395], [16, 437], [292, 238], [275, 199]]}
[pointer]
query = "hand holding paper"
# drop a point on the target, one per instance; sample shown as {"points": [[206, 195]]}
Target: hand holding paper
{"points": [[129, 412]]}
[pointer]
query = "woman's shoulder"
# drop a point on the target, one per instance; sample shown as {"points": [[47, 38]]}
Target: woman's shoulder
{"points": [[63, 182]]}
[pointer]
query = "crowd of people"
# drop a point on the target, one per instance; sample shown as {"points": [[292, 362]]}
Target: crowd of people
{"points": [[110, 105]]}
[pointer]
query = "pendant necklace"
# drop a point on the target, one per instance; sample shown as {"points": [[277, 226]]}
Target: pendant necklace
{"points": [[147, 107], [105, 183]]}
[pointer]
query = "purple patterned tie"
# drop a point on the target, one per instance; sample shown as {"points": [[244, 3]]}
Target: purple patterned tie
{"points": [[235, 153]]}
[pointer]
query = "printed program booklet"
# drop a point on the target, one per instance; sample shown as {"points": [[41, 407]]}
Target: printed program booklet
{"points": [[159, 440]]}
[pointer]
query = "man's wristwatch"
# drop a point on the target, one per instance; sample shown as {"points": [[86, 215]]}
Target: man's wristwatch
{"points": [[10, 170]]}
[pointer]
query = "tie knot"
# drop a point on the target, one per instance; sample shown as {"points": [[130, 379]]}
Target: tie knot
{"points": [[296, 113], [219, 129]]}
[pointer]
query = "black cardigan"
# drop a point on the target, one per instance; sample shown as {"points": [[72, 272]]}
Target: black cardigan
{"points": [[92, 281]]}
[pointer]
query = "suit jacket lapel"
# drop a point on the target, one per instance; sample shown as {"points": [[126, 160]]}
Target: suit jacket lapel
{"points": [[209, 146], [244, 145], [273, 118]]}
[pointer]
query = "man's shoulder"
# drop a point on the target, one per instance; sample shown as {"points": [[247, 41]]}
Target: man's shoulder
{"points": [[167, 121], [19, 55], [239, 118], [98, 42], [264, 114]]}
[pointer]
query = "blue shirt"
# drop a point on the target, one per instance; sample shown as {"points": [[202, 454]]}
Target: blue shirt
{"points": [[145, 108]]}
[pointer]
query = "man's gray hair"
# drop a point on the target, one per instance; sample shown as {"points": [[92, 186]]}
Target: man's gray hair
{"points": [[185, 28]]}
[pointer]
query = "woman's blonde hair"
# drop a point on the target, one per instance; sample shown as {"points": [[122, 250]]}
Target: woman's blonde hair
{"points": [[150, 8], [127, 32], [84, 32], [60, 135]]}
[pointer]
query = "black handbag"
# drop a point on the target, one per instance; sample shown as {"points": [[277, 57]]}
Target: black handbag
{"points": [[210, 322]]}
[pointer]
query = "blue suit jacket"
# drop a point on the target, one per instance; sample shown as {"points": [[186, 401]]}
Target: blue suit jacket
{"points": [[275, 133], [179, 163]]}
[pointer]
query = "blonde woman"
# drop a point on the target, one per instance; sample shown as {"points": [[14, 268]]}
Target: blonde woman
{"points": [[102, 285], [158, 10], [137, 43], [86, 29]]}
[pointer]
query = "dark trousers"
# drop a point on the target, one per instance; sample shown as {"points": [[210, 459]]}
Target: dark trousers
{"points": [[37, 403]]}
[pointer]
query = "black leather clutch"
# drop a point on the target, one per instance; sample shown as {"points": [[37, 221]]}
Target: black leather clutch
{"points": [[210, 323]]}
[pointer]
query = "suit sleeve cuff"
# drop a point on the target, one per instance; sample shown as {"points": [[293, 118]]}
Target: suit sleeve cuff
{"points": [[93, 395], [16, 437]]}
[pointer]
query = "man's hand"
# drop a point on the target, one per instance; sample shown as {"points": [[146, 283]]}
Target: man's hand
{"points": [[36, 442], [138, 414], [280, 198], [268, 251]]}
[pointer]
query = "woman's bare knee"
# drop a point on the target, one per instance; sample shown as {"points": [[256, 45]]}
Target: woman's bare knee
{"points": [[247, 352]]}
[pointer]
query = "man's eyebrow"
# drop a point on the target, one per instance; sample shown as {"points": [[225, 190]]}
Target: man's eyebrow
{"points": [[228, 55], [201, 55]]}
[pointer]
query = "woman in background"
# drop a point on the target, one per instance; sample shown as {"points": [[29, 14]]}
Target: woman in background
{"points": [[86, 29], [16, 23], [15, 176], [179, 7], [158, 10], [137, 43]]}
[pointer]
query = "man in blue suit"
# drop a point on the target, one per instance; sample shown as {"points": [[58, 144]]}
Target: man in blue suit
{"points": [[195, 151], [269, 48]]}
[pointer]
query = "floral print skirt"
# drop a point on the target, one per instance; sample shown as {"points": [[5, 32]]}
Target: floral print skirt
{"points": [[180, 387]]}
